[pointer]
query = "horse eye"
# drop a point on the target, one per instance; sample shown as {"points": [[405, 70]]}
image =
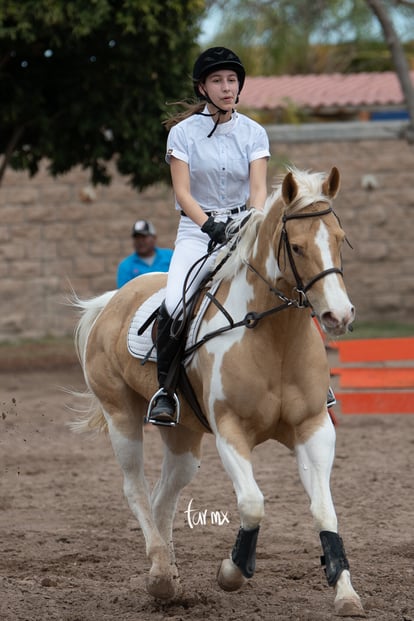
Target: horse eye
{"points": [[297, 249]]}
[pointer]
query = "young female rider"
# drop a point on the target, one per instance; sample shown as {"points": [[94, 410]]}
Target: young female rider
{"points": [[218, 162]]}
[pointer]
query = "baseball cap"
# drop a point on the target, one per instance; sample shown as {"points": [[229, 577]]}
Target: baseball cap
{"points": [[143, 227]]}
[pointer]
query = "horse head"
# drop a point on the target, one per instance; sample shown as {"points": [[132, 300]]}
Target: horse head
{"points": [[294, 246], [310, 238]]}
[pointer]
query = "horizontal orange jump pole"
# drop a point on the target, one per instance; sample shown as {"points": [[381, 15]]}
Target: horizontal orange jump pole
{"points": [[363, 377], [375, 350], [376, 402]]}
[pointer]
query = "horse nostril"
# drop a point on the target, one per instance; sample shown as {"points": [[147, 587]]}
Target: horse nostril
{"points": [[329, 319]]}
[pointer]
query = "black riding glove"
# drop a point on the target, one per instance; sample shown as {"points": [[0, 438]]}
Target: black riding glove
{"points": [[215, 230]]}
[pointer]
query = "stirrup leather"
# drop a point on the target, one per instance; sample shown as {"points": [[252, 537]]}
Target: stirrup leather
{"points": [[174, 420]]}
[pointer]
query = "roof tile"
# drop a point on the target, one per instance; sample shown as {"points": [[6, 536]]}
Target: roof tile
{"points": [[323, 90]]}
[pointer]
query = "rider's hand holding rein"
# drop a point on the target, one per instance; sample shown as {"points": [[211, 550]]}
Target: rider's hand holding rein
{"points": [[215, 230]]}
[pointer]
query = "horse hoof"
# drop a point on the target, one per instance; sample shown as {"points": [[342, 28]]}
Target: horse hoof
{"points": [[163, 587], [349, 608], [229, 577]]}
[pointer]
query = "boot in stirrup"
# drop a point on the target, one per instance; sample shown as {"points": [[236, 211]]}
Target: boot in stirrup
{"points": [[164, 407]]}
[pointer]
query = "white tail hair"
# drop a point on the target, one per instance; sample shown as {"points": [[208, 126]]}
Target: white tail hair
{"points": [[90, 310], [92, 415]]}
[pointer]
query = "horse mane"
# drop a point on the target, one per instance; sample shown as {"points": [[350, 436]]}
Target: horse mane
{"points": [[237, 252]]}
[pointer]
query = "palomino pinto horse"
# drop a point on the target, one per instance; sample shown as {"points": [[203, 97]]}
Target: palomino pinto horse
{"points": [[252, 384]]}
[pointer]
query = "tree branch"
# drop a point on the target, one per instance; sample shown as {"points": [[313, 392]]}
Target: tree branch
{"points": [[399, 59]]}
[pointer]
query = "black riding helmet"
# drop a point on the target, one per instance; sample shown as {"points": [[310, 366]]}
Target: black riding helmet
{"points": [[216, 58]]}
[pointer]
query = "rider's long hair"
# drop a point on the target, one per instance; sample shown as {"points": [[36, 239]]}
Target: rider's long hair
{"points": [[190, 108]]}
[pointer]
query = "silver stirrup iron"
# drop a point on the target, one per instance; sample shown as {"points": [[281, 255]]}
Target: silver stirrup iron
{"points": [[330, 399], [166, 423]]}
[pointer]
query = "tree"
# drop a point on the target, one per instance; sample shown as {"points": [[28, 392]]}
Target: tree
{"points": [[281, 36], [83, 83]]}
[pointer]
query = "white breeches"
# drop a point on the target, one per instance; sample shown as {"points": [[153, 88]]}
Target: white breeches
{"points": [[190, 245]]}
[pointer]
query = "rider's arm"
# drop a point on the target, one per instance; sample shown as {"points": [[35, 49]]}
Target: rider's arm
{"points": [[258, 185], [180, 175]]}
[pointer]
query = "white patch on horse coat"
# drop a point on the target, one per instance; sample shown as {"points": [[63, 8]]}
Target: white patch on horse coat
{"points": [[130, 452], [177, 472], [250, 500], [335, 296], [249, 497], [272, 267], [240, 293], [315, 458]]}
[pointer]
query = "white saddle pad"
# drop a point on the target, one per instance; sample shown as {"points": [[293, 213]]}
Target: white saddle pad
{"points": [[141, 345]]}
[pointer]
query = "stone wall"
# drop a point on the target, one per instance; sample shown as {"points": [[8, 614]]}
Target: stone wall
{"points": [[61, 234], [56, 234]]}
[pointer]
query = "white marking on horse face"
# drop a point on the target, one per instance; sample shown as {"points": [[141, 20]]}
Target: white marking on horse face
{"points": [[336, 299]]}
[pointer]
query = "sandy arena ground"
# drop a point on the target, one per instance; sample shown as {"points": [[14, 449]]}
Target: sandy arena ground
{"points": [[72, 551]]}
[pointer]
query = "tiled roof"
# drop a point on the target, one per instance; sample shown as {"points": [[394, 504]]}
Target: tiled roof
{"points": [[323, 90]]}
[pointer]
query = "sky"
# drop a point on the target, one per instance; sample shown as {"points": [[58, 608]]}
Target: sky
{"points": [[212, 22], [209, 26]]}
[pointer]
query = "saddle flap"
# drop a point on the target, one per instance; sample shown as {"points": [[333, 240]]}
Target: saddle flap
{"points": [[142, 345]]}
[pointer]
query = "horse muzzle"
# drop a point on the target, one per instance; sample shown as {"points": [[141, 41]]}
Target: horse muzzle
{"points": [[336, 323]]}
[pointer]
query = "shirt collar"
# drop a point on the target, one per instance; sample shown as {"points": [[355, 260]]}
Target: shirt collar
{"points": [[222, 128]]}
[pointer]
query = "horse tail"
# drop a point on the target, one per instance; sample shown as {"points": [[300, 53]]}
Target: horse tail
{"points": [[92, 414], [90, 311]]}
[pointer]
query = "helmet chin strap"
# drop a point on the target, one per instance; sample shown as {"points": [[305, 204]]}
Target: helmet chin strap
{"points": [[219, 112]]}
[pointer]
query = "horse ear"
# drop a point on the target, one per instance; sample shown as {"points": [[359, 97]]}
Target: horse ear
{"points": [[330, 187], [289, 188]]}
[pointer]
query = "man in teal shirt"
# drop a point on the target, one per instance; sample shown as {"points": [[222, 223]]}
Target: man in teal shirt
{"points": [[147, 256]]}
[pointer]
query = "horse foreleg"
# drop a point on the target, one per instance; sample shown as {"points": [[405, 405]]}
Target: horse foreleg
{"points": [[180, 464], [235, 570], [127, 444], [315, 459]]}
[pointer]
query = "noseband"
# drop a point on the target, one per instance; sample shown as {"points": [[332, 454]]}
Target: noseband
{"points": [[300, 287]]}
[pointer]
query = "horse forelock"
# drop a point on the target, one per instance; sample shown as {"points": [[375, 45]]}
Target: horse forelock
{"points": [[310, 189]]}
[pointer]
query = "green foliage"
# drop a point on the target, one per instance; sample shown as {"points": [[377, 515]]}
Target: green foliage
{"points": [[84, 82], [379, 329], [323, 36]]}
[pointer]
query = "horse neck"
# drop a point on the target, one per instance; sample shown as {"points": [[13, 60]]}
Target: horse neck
{"points": [[263, 254]]}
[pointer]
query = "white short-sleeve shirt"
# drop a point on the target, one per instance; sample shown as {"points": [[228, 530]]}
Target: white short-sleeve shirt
{"points": [[219, 165]]}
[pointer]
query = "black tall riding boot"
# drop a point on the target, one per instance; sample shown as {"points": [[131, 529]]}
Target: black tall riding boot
{"points": [[163, 405]]}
